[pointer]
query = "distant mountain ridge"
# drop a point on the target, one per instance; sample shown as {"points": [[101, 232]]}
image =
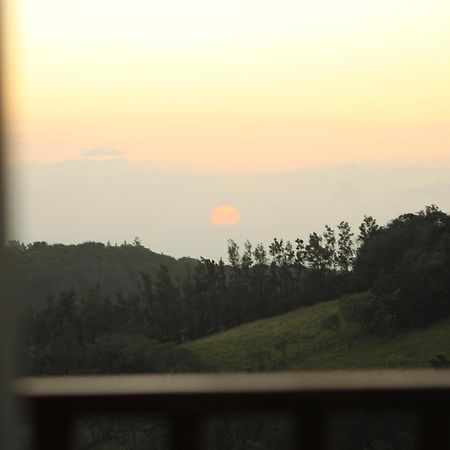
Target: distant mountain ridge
{"points": [[47, 269]]}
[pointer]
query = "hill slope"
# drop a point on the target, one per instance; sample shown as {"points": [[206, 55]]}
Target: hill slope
{"points": [[298, 341], [45, 269]]}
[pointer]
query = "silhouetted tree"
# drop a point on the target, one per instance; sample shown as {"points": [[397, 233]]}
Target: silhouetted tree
{"points": [[346, 252]]}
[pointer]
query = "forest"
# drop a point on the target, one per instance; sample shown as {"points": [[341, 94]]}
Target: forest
{"points": [[403, 268], [395, 278]]}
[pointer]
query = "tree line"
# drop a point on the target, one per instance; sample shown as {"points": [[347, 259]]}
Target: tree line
{"points": [[403, 269], [394, 277]]}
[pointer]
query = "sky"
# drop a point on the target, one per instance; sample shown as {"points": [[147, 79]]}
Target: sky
{"points": [[250, 86], [228, 88], [171, 211]]}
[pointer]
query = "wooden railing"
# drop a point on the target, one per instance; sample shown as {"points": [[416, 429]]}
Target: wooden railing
{"points": [[187, 400]]}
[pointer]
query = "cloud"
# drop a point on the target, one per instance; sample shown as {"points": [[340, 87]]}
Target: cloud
{"points": [[101, 151]]}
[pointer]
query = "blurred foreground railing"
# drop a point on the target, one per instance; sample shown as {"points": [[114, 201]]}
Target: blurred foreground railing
{"points": [[56, 402]]}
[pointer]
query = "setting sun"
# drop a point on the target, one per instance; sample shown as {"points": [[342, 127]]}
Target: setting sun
{"points": [[225, 216]]}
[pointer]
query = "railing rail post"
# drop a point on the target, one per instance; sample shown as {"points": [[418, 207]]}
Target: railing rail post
{"points": [[187, 400], [433, 429], [313, 432], [53, 431], [186, 432]]}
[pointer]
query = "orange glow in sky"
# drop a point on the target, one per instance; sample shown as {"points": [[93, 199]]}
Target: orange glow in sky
{"points": [[225, 216], [232, 86]]}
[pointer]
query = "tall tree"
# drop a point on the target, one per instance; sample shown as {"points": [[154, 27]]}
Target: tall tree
{"points": [[299, 260], [367, 228], [233, 254], [260, 280], [148, 304], [167, 310], [346, 252], [329, 238], [314, 252]]}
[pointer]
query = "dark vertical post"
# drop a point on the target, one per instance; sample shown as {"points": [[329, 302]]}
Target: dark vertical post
{"points": [[53, 431], [7, 411], [433, 431], [313, 432], [186, 432]]}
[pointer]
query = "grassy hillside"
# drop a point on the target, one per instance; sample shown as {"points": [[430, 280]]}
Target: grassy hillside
{"points": [[298, 341]]}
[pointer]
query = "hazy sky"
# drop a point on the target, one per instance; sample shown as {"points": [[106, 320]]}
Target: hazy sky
{"points": [[202, 93], [116, 200]]}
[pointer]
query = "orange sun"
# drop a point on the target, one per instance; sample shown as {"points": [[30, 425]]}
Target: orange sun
{"points": [[225, 216]]}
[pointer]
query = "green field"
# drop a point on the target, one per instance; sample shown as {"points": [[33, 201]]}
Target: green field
{"points": [[298, 341]]}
